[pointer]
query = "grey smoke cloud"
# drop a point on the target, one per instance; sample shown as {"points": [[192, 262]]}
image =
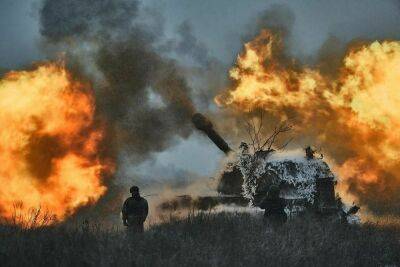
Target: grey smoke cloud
{"points": [[190, 45], [128, 70]]}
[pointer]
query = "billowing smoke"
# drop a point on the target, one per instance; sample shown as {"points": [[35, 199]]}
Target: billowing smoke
{"points": [[141, 93]]}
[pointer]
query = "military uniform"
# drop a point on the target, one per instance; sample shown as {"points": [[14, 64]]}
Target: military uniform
{"points": [[274, 207], [134, 213]]}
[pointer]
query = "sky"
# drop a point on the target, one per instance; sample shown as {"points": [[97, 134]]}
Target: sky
{"points": [[19, 33], [221, 26]]}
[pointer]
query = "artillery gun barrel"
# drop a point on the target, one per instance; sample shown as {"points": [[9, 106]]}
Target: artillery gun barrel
{"points": [[204, 125]]}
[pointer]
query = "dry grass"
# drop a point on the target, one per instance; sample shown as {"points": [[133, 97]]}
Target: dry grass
{"points": [[224, 239]]}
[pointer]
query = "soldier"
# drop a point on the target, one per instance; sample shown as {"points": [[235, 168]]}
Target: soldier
{"points": [[274, 207], [309, 153], [134, 211]]}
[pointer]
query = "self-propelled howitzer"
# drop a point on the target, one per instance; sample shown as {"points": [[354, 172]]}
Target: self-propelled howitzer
{"points": [[306, 182]]}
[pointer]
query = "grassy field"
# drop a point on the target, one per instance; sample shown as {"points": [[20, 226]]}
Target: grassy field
{"points": [[223, 239]]}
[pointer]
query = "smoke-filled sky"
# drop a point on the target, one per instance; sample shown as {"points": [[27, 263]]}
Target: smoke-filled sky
{"points": [[213, 31], [220, 25]]}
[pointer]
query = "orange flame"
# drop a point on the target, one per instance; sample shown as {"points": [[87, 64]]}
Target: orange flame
{"points": [[49, 142], [353, 117]]}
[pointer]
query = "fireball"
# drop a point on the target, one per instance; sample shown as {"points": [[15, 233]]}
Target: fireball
{"points": [[49, 143], [354, 116]]}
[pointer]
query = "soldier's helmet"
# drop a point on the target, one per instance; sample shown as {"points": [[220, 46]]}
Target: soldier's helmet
{"points": [[134, 189]]}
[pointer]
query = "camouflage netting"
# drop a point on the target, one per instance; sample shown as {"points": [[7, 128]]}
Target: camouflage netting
{"points": [[290, 169]]}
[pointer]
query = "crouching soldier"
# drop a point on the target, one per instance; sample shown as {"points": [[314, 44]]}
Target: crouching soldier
{"points": [[274, 206], [134, 211]]}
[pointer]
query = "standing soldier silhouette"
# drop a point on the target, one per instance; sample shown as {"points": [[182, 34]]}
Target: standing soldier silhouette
{"points": [[274, 208], [134, 211]]}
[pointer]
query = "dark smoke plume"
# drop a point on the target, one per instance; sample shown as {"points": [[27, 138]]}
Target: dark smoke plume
{"points": [[141, 94]]}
